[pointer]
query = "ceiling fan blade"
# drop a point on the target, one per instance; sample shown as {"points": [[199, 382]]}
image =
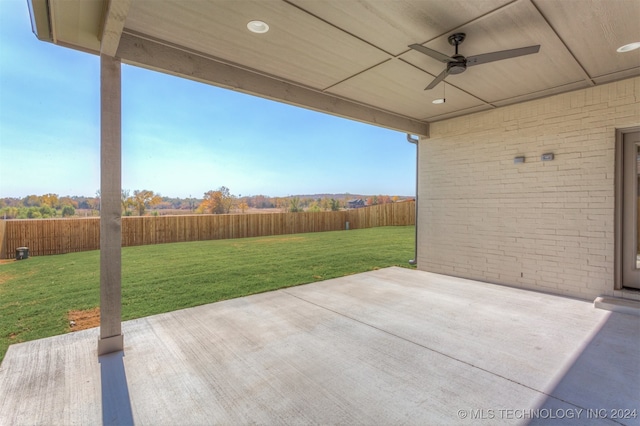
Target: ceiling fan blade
{"points": [[438, 79], [435, 55], [498, 56]]}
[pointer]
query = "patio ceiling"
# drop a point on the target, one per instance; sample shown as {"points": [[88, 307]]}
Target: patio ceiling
{"points": [[350, 58]]}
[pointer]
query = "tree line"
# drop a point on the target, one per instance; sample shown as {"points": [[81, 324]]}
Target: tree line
{"points": [[144, 202], [37, 207]]}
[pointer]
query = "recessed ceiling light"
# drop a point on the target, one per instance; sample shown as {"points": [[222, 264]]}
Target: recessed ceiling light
{"points": [[258, 27], [438, 101], [628, 47]]}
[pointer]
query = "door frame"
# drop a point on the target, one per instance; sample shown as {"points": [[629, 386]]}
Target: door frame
{"points": [[619, 179]]}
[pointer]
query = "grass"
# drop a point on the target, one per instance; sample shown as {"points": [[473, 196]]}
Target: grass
{"points": [[37, 294]]}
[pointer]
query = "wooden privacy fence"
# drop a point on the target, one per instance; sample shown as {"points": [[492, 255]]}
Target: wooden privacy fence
{"points": [[58, 236]]}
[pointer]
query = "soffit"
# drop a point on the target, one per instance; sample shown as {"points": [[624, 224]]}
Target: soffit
{"points": [[350, 58]]}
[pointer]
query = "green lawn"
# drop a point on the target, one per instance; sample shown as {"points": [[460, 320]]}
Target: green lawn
{"points": [[36, 294]]}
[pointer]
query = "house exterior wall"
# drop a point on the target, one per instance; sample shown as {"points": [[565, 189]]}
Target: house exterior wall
{"points": [[540, 225]]}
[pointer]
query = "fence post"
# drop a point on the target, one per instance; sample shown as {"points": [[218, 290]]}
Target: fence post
{"points": [[3, 239]]}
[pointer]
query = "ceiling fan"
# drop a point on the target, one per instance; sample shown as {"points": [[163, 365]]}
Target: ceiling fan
{"points": [[457, 63]]}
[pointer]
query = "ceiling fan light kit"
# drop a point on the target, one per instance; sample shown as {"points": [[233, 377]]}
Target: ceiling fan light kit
{"points": [[457, 63]]}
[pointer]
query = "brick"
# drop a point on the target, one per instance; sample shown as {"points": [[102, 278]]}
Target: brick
{"points": [[483, 217]]}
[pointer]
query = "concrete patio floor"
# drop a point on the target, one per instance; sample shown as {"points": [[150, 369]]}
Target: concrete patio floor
{"points": [[393, 346]]}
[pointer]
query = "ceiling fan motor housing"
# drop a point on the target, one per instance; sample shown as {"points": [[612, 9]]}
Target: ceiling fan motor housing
{"points": [[457, 65]]}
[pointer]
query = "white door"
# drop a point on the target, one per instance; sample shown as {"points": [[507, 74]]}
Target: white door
{"points": [[631, 210]]}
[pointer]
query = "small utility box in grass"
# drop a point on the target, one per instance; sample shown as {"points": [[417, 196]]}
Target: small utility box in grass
{"points": [[22, 253]]}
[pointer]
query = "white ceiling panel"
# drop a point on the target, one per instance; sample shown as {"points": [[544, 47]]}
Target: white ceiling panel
{"points": [[392, 86], [543, 93], [619, 75], [518, 25], [297, 48], [594, 29], [453, 112], [393, 25]]}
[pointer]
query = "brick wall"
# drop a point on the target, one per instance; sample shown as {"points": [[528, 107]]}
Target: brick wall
{"points": [[541, 225]]}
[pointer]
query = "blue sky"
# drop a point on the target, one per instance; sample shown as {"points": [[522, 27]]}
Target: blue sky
{"points": [[179, 137]]}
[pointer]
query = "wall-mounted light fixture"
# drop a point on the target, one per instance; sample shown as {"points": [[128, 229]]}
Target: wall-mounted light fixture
{"points": [[518, 160], [547, 156]]}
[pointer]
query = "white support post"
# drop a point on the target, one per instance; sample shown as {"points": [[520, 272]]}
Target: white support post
{"points": [[111, 339]]}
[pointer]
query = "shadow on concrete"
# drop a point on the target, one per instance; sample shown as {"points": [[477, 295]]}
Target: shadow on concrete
{"points": [[602, 384], [116, 404]]}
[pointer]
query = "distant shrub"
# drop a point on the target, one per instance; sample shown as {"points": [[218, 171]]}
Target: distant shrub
{"points": [[32, 213], [9, 212], [294, 205], [47, 212], [68, 211]]}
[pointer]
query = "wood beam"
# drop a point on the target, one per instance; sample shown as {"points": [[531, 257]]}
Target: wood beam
{"points": [[141, 51], [110, 206], [38, 10], [112, 26]]}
